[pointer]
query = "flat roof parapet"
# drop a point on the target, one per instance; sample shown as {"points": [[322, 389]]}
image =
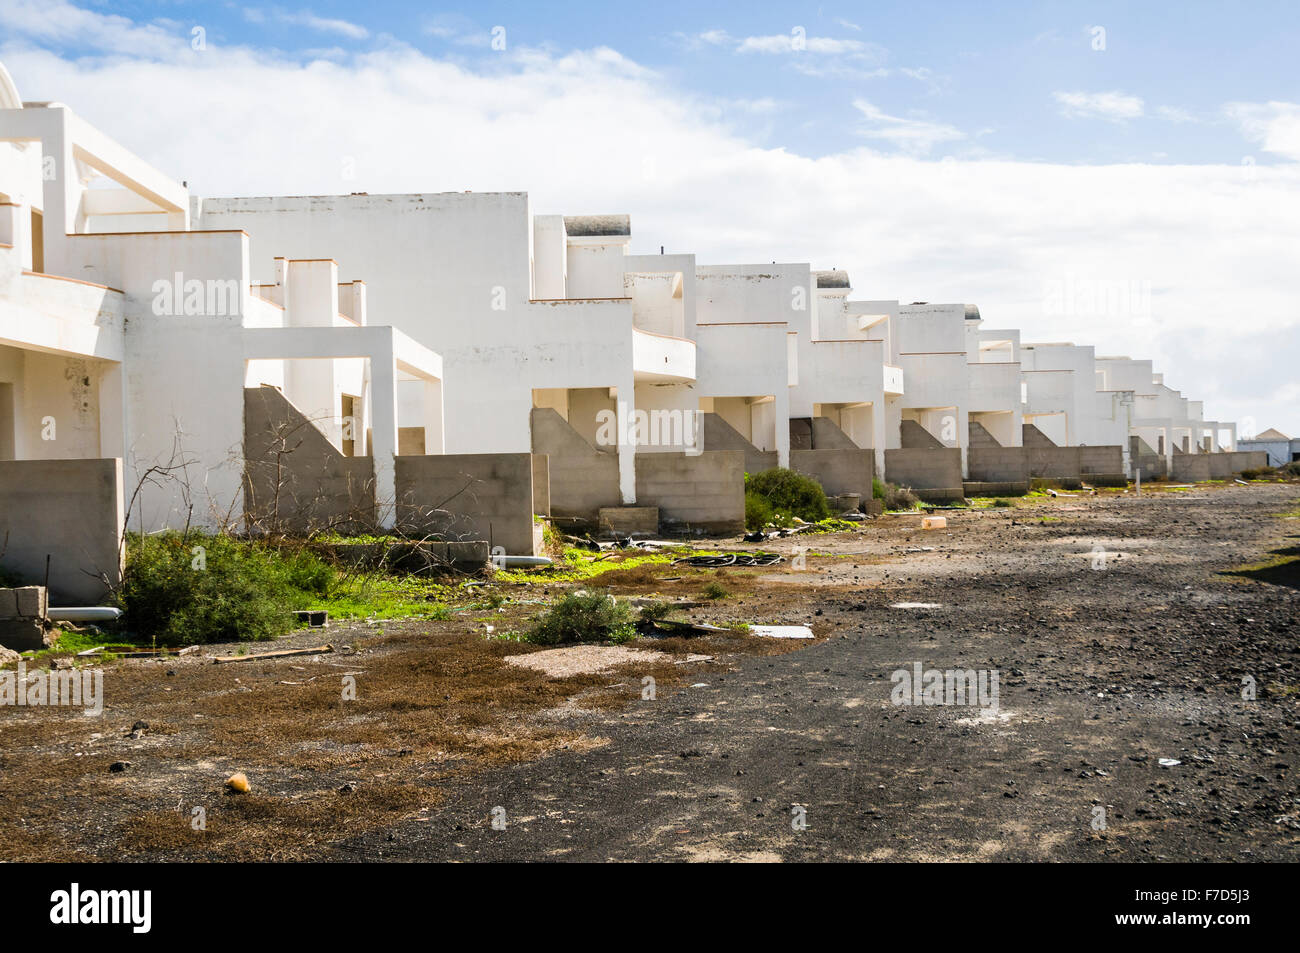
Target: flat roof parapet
{"points": [[590, 226], [832, 279]]}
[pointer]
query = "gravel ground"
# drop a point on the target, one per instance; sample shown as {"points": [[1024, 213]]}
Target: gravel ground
{"points": [[1103, 671]]}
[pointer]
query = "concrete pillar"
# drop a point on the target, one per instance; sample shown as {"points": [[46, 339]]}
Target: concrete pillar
{"points": [[61, 197], [433, 435], [311, 300], [963, 439], [879, 435], [625, 405], [383, 447], [781, 411]]}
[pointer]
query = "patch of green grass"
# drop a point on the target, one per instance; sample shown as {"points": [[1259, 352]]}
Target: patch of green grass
{"points": [[70, 643], [1049, 519], [386, 597], [987, 502], [1282, 570], [579, 565], [832, 525]]}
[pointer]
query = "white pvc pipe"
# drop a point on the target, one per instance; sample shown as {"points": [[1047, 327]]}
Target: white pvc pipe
{"points": [[83, 614], [521, 562]]}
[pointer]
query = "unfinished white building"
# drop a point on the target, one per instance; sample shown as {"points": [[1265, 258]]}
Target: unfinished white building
{"points": [[362, 360]]}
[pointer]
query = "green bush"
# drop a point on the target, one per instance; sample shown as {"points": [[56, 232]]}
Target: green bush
{"points": [[715, 590], [757, 511], [229, 590], [878, 488], [584, 617], [787, 494]]}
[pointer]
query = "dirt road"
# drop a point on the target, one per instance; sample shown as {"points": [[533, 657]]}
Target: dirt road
{"points": [[1118, 639]]}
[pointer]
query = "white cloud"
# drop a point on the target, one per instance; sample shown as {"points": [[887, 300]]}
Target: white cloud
{"points": [[1216, 242], [1274, 126], [324, 24], [1175, 114], [58, 23], [910, 135], [1114, 106]]}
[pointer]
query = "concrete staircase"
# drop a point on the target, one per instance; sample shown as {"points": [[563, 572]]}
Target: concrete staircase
{"points": [[915, 437], [583, 478], [720, 435]]}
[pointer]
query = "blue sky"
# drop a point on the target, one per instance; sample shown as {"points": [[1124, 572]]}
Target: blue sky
{"points": [[1009, 80], [986, 153]]}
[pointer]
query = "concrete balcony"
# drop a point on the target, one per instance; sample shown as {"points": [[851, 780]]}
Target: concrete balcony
{"points": [[62, 315], [893, 380], [658, 357]]}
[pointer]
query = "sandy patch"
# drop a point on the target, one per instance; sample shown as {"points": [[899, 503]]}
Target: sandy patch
{"points": [[583, 659]]}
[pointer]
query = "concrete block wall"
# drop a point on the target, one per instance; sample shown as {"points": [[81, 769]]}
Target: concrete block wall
{"points": [[582, 478], [294, 478], [1108, 460], [480, 496], [720, 435], [704, 492], [70, 511], [1191, 467], [934, 474], [1053, 463], [997, 464], [838, 471], [1224, 466], [1144, 458]]}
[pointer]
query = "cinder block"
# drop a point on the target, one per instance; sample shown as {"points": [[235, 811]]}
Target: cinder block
{"points": [[25, 602], [23, 634]]}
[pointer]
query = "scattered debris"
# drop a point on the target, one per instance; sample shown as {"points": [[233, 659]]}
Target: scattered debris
{"points": [[1169, 762], [117, 767], [934, 522], [782, 631], [916, 605], [318, 650], [312, 618], [730, 559]]}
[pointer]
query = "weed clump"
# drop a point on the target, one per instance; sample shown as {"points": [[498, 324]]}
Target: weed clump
{"points": [[583, 617], [715, 590]]}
